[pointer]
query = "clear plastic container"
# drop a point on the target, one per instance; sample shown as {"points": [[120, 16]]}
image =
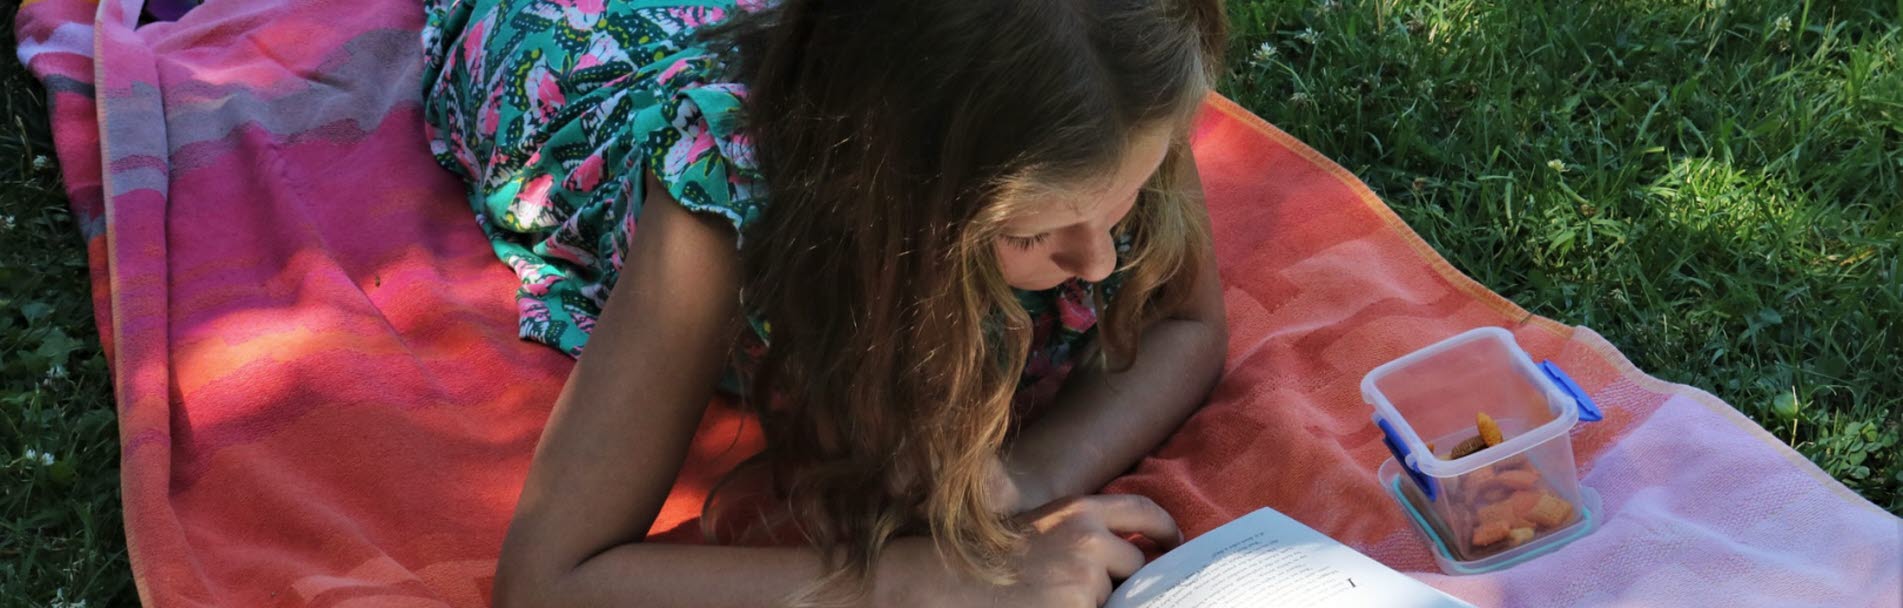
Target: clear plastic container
{"points": [[1502, 504]]}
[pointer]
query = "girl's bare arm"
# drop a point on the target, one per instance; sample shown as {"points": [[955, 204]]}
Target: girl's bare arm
{"points": [[620, 431], [1102, 422]]}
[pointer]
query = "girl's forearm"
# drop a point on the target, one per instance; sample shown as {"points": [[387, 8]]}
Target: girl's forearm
{"points": [[1103, 421], [703, 575]]}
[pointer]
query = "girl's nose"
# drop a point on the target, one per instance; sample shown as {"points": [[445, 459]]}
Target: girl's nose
{"points": [[1092, 259]]}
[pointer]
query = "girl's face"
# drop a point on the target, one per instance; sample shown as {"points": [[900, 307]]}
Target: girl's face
{"points": [[1066, 232]]}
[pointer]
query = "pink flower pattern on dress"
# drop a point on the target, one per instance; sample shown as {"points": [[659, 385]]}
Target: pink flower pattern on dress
{"points": [[587, 174], [692, 147], [548, 94], [532, 208], [1074, 307]]}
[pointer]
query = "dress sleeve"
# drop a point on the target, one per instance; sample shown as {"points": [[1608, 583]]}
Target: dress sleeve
{"points": [[692, 142]]}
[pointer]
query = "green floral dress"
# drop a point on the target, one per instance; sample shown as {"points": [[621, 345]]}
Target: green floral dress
{"points": [[552, 110]]}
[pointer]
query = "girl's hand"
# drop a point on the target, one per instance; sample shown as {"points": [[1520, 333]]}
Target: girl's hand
{"points": [[1074, 553]]}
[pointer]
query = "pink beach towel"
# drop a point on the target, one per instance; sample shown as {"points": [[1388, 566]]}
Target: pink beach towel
{"points": [[306, 328]]}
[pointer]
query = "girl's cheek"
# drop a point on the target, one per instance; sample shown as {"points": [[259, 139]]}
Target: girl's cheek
{"points": [[1015, 264], [1008, 263]]}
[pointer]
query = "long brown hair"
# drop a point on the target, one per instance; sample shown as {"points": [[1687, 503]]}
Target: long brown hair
{"points": [[896, 137]]}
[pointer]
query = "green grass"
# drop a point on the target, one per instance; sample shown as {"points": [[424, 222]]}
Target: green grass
{"points": [[1717, 187], [61, 540], [1714, 186]]}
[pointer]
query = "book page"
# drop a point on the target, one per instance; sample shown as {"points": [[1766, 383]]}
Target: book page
{"points": [[1267, 559]]}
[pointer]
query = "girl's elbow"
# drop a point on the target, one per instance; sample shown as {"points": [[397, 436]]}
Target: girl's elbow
{"points": [[515, 589], [1218, 336], [1215, 335], [1215, 350], [522, 581]]}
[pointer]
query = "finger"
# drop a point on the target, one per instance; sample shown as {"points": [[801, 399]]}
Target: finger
{"points": [[1126, 513], [1119, 557]]}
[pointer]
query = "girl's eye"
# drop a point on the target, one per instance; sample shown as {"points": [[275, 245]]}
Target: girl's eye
{"points": [[1027, 242]]}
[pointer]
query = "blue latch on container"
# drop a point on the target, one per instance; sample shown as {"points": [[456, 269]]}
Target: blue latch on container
{"points": [[1588, 409], [1400, 451]]}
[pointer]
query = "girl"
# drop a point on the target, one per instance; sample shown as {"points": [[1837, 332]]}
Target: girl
{"points": [[899, 221]]}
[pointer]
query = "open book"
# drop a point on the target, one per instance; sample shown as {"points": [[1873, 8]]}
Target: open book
{"points": [[1266, 559]]}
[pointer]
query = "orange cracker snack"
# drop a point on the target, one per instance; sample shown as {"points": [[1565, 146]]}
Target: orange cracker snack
{"points": [[1499, 511], [1516, 462], [1479, 477], [1489, 432], [1518, 479], [1516, 536], [1550, 511], [1490, 532], [1523, 502], [1471, 445]]}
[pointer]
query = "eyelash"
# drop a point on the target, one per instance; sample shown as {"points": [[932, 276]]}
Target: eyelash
{"points": [[1026, 242]]}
